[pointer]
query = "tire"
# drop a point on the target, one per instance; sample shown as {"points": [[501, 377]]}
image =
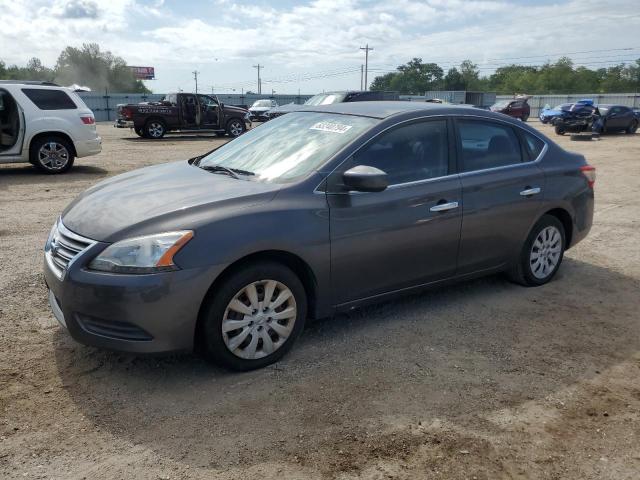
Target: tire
{"points": [[560, 130], [52, 154], [235, 127], [154, 129], [544, 122], [524, 117], [633, 127], [547, 240], [139, 132], [244, 348]]}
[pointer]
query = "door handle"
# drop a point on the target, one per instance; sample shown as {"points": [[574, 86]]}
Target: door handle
{"points": [[443, 207], [527, 192]]}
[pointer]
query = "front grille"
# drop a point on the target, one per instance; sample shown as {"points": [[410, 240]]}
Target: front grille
{"points": [[63, 247]]}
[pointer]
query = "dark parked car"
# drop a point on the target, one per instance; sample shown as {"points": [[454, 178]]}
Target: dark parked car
{"points": [[317, 211], [518, 108], [547, 115], [185, 112], [616, 118], [329, 98]]}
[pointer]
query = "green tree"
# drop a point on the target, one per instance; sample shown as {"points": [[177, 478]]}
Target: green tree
{"points": [[414, 77], [96, 69], [453, 80], [382, 82]]}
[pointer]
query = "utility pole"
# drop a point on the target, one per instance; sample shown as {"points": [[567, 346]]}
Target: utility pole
{"points": [[361, 75], [366, 63], [259, 81], [195, 77]]}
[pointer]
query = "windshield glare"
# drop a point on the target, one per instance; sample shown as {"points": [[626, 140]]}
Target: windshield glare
{"points": [[325, 99], [289, 147], [502, 104], [262, 103]]}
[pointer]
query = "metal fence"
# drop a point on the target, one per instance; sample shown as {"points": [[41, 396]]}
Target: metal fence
{"points": [[538, 102], [104, 105]]}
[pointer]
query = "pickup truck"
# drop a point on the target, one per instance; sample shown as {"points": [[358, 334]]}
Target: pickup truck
{"points": [[186, 112]]}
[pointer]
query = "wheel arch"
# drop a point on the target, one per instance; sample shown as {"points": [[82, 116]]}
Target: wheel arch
{"points": [[567, 222], [53, 133], [290, 260]]}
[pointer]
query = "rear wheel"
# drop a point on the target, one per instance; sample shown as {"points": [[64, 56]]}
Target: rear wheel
{"points": [[255, 316], [154, 129], [560, 130], [633, 127], [52, 154], [235, 127], [139, 132], [525, 117], [541, 253]]}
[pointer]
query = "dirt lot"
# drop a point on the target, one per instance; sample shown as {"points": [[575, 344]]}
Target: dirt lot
{"points": [[483, 380]]}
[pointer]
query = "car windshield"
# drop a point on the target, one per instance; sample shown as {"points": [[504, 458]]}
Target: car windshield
{"points": [[288, 147], [502, 104], [326, 99], [603, 109], [562, 105], [262, 103]]}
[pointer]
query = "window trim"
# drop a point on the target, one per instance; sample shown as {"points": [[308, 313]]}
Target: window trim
{"points": [[452, 126]]}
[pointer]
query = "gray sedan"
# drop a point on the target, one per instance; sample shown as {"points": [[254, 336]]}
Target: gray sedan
{"points": [[315, 212]]}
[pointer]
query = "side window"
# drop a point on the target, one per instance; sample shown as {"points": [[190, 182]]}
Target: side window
{"points": [[46, 99], [533, 145], [487, 145], [413, 152], [206, 100], [172, 99]]}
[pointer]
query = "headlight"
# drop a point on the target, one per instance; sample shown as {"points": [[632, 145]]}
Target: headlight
{"points": [[148, 254]]}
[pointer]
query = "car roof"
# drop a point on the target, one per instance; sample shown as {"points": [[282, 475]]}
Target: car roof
{"points": [[384, 109], [29, 82]]}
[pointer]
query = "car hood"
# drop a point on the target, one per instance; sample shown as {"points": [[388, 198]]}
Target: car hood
{"points": [[234, 109], [551, 112], [259, 109], [288, 108], [155, 199]]}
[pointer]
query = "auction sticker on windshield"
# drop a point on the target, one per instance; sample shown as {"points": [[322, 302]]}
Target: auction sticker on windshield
{"points": [[330, 127]]}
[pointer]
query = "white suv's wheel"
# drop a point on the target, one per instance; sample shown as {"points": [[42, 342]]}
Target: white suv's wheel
{"points": [[52, 154]]}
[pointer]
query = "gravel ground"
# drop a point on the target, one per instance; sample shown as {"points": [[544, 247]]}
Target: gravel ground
{"points": [[482, 380]]}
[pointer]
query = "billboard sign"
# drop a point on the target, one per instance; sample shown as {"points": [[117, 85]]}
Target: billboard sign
{"points": [[144, 73]]}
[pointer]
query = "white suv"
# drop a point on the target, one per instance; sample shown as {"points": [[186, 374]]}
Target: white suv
{"points": [[46, 125]]}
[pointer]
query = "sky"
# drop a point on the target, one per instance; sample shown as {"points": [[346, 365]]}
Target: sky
{"points": [[314, 46]]}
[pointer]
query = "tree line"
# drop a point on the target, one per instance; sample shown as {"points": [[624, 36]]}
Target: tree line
{"points": [[562, 76], [86, 66]]}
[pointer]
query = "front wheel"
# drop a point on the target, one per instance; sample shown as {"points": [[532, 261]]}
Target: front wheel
{"points": [[256, 315], [52, 154], [541, 253], [139, 132], [633, 127], [235, 127], [560, 130]]}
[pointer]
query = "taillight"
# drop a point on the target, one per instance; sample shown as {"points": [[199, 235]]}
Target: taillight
{"points": [[126, 113], [589, 172], [88, 119]]}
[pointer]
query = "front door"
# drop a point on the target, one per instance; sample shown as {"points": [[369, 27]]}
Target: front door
{"points": [[406, 235], [502, 192], [208, 112]]}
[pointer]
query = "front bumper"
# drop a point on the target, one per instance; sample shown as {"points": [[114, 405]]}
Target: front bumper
{"points": [[133, 313]]}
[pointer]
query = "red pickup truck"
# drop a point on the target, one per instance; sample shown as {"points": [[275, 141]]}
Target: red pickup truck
{"points": [[186, 112]]}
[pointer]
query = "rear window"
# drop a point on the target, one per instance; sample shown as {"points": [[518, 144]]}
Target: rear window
{"points": [[46, 99], [487, 145]]}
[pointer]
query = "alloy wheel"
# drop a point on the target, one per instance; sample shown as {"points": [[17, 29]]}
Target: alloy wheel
{"points": [[259, 319], [545, 252], [53, 156], [155, 130], [235, 128]]}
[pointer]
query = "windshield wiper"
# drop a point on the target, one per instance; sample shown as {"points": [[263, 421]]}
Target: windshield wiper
{"points": [[233, 172]]}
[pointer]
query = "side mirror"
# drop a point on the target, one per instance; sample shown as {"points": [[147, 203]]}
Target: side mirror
{"points": [[365, 179]]}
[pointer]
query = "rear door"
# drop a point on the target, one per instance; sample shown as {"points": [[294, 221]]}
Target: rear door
{"points": [[190, 110], [620, 118], [11, 127], [502, 191], [403, 236]]}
